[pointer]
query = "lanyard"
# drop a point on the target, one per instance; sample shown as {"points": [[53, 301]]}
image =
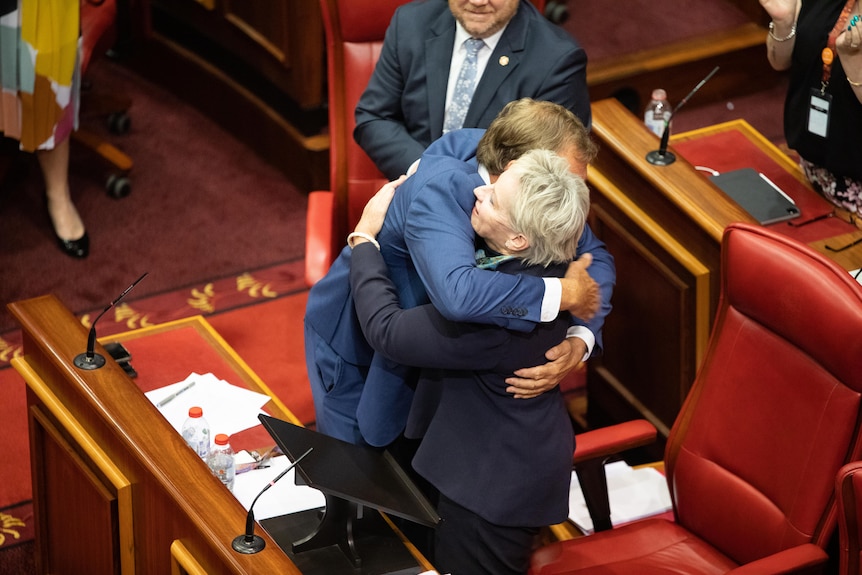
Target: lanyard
{"points": [[828, 53]]}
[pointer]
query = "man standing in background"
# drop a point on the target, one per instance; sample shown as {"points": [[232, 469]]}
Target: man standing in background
{"points": [[444, 66]]}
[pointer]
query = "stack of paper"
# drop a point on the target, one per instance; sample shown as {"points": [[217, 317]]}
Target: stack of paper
{"points": [[282, 498], [227, 408], [633, 494]]}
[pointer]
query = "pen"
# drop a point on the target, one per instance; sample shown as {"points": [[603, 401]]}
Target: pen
{"points": [[174, 395]]}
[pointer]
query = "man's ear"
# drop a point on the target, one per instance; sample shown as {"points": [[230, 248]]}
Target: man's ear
{"points": [[517, 243]]}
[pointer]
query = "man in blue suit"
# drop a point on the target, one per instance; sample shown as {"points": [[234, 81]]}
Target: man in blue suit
{"points": [[525, 56], [428, 244]]}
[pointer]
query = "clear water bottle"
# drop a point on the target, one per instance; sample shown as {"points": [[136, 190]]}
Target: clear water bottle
{"points": [[196, 432], [657, 112], [221, 461]]}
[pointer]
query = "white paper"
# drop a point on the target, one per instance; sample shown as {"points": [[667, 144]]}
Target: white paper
{"points": [[227, 408], [633, 494], [282, 498], [857, 274]]}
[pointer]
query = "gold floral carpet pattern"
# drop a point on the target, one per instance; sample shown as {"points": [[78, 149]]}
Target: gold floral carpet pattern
{"points": [[204, 298], [16, 525]]}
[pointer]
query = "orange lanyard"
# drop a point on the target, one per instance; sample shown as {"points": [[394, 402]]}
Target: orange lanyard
{"points": [[828, 53]]}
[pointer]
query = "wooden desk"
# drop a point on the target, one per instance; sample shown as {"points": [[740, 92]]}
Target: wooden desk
{"points": [[736, 144], [663, 225], [115, 488]]}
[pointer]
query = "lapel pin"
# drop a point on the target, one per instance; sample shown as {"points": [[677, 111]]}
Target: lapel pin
{"points": [[504, 60]]}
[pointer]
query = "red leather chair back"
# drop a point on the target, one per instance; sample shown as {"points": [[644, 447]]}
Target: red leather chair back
{"points": [[848, 490], [98, 28], [354, 37], [775, 408]]}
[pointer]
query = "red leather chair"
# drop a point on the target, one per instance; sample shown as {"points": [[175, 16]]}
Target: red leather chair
{"points": [[98, 35], [848, 491], [773, 414], [354, 36]]}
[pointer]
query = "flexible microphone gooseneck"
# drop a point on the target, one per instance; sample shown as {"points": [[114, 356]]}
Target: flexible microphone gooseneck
{"points": [[662, 157], [249, 543], [92, 360]]}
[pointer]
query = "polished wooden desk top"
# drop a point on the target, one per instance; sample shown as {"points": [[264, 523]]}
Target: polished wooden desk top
{"points": [[736, 144], [166, 353]]}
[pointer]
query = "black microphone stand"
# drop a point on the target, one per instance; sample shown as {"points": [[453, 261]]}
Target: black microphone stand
{"points": [[249, 543], [90, 359], [663, 157]]}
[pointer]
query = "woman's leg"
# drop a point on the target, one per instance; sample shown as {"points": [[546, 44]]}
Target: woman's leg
{"points": [[68, 226]]}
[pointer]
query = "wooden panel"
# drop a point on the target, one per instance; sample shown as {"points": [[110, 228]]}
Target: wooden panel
{"points": [[663, 226], [258, 42], [677, 67], [71, 496]]}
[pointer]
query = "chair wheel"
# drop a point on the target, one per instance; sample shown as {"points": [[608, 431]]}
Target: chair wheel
{"points": [[119, 123], [556, 12], [118, 186]]}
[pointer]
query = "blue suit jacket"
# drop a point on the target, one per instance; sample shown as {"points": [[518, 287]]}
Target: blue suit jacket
{"points": [[401, 111], [517, 453], [428, 243]]}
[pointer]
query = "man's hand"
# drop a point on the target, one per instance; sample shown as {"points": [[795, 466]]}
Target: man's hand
{"points": [[581, 295], [375, 210], [532, 381]]}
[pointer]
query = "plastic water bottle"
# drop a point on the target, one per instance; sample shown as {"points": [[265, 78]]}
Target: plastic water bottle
{"points": [[221, 461], [657, 112], [196, 432]]}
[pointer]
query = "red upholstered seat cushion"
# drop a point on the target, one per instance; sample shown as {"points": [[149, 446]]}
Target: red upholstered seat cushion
{"points": [[645, 547]]}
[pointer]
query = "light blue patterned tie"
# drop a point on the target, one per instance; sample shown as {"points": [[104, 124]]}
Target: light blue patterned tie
{"points": [[463, 87]]}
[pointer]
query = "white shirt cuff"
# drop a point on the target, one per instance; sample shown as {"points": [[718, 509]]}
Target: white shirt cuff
{"points": [[585, 334], [552, 298]]}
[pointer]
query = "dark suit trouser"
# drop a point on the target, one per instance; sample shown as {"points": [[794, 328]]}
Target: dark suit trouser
{"points": [[466, 544], [336, 386]]}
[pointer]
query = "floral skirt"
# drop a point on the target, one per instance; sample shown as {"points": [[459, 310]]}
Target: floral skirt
{"points": [[40, 60], [844, 192]]}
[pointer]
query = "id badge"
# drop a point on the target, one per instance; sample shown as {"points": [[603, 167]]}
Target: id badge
{"points": [[818, 113]]}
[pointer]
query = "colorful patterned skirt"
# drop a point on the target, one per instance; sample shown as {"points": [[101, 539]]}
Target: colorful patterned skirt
{"points": [[40, 63], [844, 192]]}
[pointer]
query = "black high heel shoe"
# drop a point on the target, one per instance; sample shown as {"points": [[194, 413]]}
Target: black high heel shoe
{"points": [[79, 248]]}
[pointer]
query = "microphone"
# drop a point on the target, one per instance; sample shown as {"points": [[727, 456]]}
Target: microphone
{"points": [[662, 157], [92, 360], [250, 543]]}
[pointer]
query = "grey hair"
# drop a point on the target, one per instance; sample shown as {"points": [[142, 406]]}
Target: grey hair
{"points": [[551, 208]]}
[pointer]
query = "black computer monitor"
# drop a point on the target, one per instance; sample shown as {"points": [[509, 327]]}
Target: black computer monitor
{"points": [[348, 475]]}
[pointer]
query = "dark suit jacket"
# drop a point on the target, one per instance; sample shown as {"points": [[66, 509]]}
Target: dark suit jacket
{"points": [[428, 243], [507, 460], [401, 111]]}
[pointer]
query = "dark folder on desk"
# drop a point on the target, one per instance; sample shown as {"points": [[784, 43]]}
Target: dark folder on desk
{"points": [[757, 195]]}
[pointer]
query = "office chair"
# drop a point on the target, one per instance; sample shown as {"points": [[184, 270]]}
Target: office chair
{"points": [[98, 34], [354, 36], [772, 416], [848, 491]]}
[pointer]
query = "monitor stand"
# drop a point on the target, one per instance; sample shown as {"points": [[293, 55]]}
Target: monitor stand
{"points": [[365, 545], [338, 526]]}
